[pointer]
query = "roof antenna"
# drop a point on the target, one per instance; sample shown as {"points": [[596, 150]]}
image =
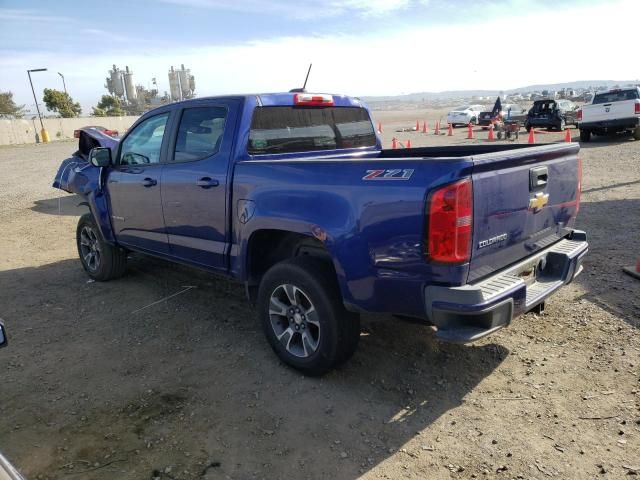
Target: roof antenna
{"points": [[303, 89]]}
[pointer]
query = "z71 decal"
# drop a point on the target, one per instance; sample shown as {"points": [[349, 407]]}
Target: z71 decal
{"points": [[392, 174]]}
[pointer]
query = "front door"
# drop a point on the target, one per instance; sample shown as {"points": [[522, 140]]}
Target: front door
{"points": [[194, 183], [134, 187]]}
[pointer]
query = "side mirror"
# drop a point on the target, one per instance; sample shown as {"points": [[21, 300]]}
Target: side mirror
{"points": [[3, 336], [100, 157]]}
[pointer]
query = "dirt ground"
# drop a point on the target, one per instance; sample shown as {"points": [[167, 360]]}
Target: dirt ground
{"points": [[95, 386]]}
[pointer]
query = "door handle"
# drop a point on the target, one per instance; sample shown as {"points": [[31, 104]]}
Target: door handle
{"points": [[149, 182], [538, 177], [207, 182]]}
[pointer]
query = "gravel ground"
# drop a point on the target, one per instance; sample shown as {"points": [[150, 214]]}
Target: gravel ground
{"points": [[93, 387]]}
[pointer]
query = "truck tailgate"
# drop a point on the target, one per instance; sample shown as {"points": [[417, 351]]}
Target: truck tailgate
{"points": [[524, 200], [608, 111]]}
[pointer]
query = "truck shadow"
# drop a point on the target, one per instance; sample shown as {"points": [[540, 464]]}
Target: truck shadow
{"points": [[612, 228], [598, 141], [67, 205], [195, 368]]}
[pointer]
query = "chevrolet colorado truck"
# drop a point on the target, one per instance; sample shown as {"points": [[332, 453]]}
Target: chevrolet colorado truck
{"points": [[293, 195], [612, 111]]}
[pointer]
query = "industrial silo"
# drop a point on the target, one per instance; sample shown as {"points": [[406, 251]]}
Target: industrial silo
{"points": [[184, 81], [117, 83], [129, 86], [174, 85]]}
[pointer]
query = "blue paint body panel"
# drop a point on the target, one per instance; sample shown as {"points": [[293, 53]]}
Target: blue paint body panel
{"points": [[373, 230]]}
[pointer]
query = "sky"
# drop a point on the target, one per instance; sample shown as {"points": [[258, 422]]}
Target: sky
{"points": [[358, 47]]}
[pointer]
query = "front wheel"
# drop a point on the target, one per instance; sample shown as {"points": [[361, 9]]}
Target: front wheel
{"points": [[301, 311], [100, 260]]}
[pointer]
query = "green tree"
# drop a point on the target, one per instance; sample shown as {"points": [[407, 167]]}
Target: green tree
{"points": [[8, 107], [108, 106], [61, 102]]}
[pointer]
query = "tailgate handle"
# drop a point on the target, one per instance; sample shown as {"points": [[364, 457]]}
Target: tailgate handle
{"points": [[538, 177]]}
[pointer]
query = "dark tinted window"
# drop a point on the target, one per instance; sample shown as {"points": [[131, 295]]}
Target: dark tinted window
{"points": [[143, 144], [303, 129], [618, 96], [200, 133]]}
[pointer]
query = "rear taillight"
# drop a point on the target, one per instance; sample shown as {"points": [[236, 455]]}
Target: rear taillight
{"points": [[637, 108], [579, 115], [579, 191], [313, 99], [449, 220]]}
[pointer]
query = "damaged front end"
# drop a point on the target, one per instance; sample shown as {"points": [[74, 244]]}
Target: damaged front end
{"points": [[76, 174]]}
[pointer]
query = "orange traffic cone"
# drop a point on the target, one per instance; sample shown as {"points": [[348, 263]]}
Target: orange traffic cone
{"points": [[532, 136], [409, 143], [437, 130], [450, 131], [394, 143], [379, 127], [567, 136], [425, 128], [470, 132], [417, 125], [490, 137]]}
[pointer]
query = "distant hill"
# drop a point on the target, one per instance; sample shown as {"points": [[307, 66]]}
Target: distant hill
{"points": [[455, 94]]}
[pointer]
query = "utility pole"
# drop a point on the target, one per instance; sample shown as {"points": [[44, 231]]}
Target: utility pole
{"points": [[45, 134], [63, 84]]}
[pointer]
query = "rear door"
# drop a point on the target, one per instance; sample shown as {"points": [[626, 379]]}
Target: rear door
{"points": [[524, 200], [134, 186], [195, 182]]}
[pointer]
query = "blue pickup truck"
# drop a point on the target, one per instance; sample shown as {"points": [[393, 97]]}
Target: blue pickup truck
{"points": [[293, 195]]}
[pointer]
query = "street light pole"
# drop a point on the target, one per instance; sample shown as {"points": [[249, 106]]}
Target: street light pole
{"points": [[63, 83], [45, 134]]}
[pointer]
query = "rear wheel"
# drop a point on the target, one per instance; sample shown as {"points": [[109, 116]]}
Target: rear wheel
{"points": [[301, 311], [585, 135], [562, 125], [527, 127], [636, 133], [100, 260]]}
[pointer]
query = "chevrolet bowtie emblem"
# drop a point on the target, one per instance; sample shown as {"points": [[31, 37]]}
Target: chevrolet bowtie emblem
{"points": [[540, 200]]}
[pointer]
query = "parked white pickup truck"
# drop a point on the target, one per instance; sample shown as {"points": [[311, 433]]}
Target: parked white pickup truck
{"points": [[610, 112]]}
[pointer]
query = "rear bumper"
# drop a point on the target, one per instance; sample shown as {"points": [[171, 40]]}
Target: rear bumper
{"points": [[616, 124], [543, 122], [467, 313]]}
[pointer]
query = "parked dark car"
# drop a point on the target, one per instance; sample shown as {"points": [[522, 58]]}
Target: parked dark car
{"points": [[551, 114]]}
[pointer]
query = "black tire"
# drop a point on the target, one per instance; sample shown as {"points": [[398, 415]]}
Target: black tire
{"points": [[585, 135], [527, 127], [100, 260], [338, 330], [474, 121], [562, 125], [636, 133]]}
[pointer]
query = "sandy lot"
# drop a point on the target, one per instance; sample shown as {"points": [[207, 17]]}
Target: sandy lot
{"points": [[92, 387]]}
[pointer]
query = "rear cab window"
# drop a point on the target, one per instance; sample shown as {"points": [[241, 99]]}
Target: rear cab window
{"points": [[616, 96], [296, 129], [200, 133]]}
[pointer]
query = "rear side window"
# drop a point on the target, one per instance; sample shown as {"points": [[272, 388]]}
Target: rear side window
{"points": [[305, 129], [618, 96], [200, 133]]}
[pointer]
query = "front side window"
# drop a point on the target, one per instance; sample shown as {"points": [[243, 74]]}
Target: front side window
{"points": [[200, 133], [305, 129], [143, 145]]}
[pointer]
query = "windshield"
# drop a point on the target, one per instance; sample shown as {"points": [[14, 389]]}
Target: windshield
{"points": [[618, 96], [304, 129]]}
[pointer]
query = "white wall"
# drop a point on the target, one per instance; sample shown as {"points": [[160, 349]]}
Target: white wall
{"points": [[14, 132]]}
